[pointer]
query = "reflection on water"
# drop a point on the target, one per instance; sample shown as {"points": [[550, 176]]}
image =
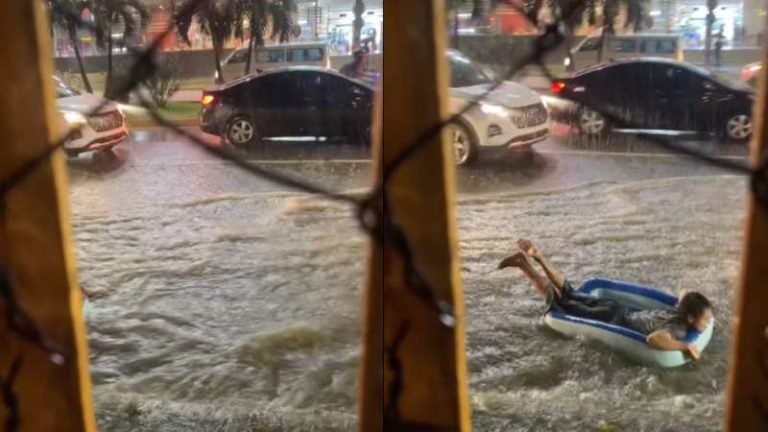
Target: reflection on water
{"points": [[672, 233]]}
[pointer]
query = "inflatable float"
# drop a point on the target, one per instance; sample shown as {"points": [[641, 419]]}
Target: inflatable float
{"points": [[624, 340]]}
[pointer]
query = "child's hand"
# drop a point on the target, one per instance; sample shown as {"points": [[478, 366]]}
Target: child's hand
{"points": [[693, 351]]}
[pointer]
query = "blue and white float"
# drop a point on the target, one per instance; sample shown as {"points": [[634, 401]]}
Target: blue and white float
{"points": [[624, 340]]}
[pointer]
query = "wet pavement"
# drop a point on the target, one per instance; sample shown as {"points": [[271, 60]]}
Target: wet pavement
{"points": [[231, 303]]}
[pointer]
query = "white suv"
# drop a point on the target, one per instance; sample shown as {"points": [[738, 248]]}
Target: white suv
{"points": [[512, 116], [99, 131]]}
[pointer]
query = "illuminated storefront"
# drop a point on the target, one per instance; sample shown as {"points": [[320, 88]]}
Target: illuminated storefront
{"points": [[332, 21]]}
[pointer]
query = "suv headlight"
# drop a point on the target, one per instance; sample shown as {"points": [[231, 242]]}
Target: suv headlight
{"points": [[73, 117], [494, 109]]}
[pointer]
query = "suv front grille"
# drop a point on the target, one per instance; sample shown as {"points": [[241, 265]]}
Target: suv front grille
{"points": [[529, 116]]}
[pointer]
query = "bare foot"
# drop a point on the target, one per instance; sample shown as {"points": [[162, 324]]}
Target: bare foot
{"points": [[517, 259], [529, 248]]}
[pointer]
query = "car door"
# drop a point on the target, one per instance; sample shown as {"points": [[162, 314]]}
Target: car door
{"points": [[340, 107], [641, 109], [355, 108], [275, 101], [682, 97], [619, 90]]}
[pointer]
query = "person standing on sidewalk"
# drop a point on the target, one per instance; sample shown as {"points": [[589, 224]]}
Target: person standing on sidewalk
{"points": [[719, 42], [358, 66]]}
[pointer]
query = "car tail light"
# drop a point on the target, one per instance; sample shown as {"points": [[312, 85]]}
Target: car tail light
{"points": [[557, 86], [207, 100]]}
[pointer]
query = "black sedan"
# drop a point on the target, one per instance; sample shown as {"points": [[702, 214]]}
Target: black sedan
{"points": [[298, 101], [654, 94]]}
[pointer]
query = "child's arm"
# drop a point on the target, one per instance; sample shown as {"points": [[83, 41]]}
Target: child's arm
{"points": [[663, 340]]}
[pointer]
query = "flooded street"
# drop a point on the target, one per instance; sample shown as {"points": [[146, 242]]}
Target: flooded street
{"points": [[228, 303], [672, 233]]}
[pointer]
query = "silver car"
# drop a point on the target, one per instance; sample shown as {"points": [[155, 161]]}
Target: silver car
{"points": [[98, 131]]}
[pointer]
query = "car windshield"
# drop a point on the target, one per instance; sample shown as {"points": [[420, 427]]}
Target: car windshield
{"points": [[63, 90], [465, 74]]}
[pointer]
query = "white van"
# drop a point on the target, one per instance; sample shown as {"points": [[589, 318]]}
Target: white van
{"points": [[276, 56], [618, 47]]}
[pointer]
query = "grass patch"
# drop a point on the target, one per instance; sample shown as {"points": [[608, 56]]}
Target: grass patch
{"points": [[182, 113], [181, 109], [97, 82]]}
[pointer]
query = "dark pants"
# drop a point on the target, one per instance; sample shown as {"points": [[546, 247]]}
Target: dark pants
{"points": [[584, 306]]}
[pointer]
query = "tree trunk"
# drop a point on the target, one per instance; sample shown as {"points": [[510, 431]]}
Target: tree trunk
{"points": [[172, 13], [455, 42], [80, 64], [711, 5], [568, 43], [357, 24], [251, 44], [601, 47], [610, 13], [217, 56], [108, 91]]}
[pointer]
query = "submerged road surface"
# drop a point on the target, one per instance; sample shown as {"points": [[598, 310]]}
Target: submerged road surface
{"points": [[225, 302]]}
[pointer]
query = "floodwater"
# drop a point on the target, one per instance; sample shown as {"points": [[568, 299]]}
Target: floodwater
{"points": [[672, 233], [230, 304]]}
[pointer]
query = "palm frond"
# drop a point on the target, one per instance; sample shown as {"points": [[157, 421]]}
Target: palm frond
{"points": [[282, 21]]}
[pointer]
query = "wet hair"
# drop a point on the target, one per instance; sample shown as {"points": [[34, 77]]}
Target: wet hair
{"points": [[693, 304]]}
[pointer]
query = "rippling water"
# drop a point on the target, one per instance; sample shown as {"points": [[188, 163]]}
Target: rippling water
{"points": [[238, 312], [672, 233], [241, 311]]}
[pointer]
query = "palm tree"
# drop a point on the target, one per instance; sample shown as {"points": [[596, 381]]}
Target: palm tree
{"points": [[357, 24], [570, 13], [216, 18], [635, 16], [66, 15], [711, 6], [453, 6], [263, 14], [111, 13]]}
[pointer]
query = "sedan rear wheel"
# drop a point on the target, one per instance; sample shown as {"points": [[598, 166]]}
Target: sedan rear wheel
{"points": [[738, 127], [593, 123], [463, 144], [241, 131]]}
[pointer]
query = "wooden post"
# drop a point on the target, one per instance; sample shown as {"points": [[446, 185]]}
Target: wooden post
{"points": [[747, 404], [431, 360], [370, 411], [35, 244]]}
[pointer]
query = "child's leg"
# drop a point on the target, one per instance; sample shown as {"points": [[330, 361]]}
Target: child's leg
{"points": [[555, 275], [539, 281], [598, 309]]}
